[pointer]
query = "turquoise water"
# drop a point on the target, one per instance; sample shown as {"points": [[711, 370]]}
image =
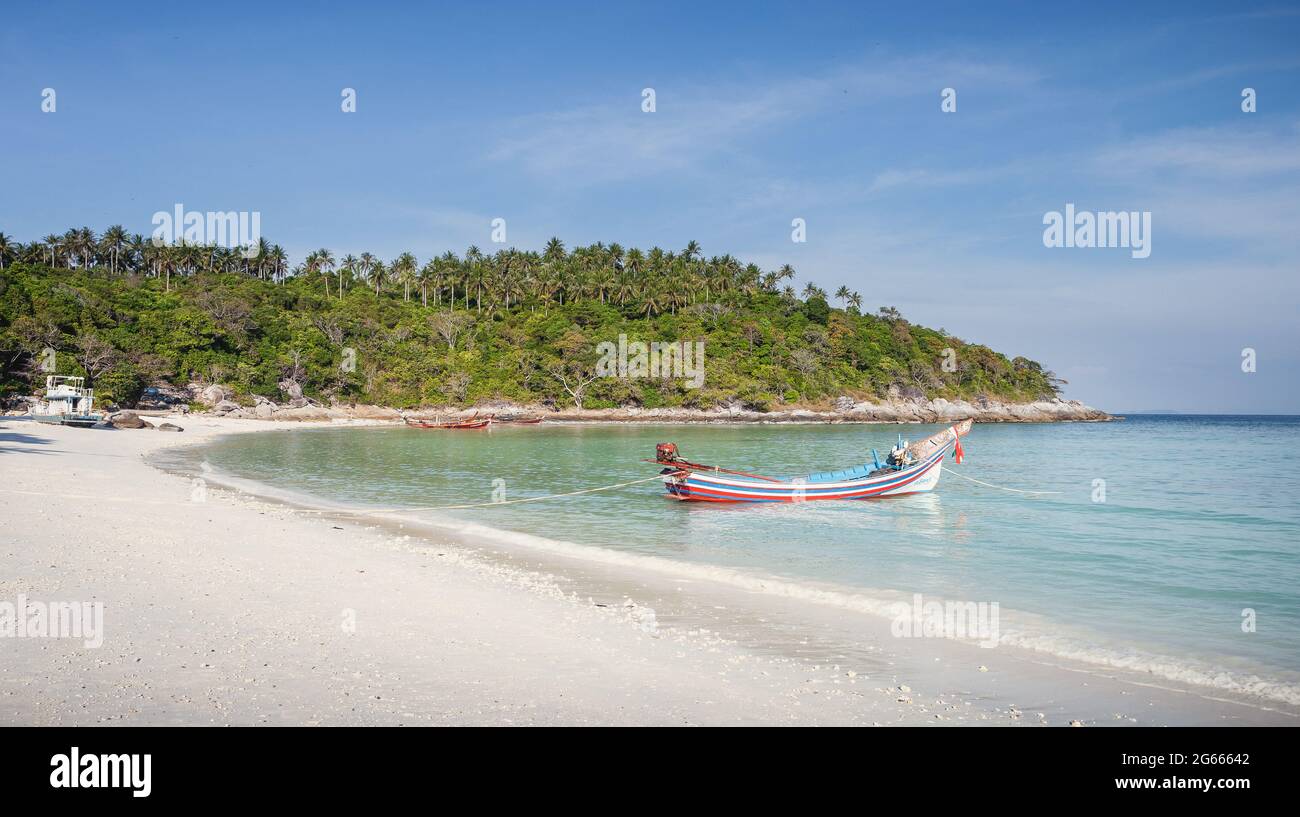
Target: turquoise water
{"points": [[1201, 520]]}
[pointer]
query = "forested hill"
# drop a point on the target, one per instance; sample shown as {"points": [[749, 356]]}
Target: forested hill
{"points": [[523, 326]]}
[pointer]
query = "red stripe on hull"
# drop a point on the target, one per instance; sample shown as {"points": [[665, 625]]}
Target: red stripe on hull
{"points": [[723, 495]]}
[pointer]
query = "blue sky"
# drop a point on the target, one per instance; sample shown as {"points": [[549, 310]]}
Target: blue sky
{"points": [[823, 111]]}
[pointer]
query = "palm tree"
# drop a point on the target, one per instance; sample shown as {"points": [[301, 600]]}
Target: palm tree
{"points": [[370, 269], [404, 273], [325, 265], [279, 261], [650, 303], [842, 294], [473, 273], [554, 251], [113, 243], [85, 243], [68, 244], [855, 301], [348, 265], [54, 243], [7, 249], [811, 291]]}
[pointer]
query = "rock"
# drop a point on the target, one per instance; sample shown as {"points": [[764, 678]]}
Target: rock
{"points": [[211, 395], [126, 419], [292, 389], [169, 427], [844, 403], [307, 413], [263, 411], [364, 412]]}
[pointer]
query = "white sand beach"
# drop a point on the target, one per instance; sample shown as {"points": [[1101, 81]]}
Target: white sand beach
{"points": [[238, 610]]}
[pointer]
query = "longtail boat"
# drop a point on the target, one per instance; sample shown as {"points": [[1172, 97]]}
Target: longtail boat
{"points": [[515, 419], [464, 425], [908, 469]]}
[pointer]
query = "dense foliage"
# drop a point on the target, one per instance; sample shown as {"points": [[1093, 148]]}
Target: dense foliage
{"points": [[516, 325]]}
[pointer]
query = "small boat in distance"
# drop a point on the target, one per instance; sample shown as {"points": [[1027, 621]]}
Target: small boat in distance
{"points": [[67, 402], [908, 469], [515, 419], [462, 425]]}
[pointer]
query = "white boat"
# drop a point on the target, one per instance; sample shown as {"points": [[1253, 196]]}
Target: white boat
{"points": [[67, 402]]}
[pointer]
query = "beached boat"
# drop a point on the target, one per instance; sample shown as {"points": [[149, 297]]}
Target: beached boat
{"points": [[908, 469], [67, 402], [514, 419], [464, 425]]}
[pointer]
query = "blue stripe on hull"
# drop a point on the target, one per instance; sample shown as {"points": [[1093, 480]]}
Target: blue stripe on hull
{"points": [[786, 492]]}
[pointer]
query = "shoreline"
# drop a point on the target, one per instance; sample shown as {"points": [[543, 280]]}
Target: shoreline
{"points": [[894, 410], [791, 660]]}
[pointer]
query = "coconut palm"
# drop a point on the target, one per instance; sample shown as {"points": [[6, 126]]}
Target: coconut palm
{"points": [[403, 271], [811, 291], [8, 249], [371, 270], [112, 244], [348, 269], [842, 294], [325, 265]]}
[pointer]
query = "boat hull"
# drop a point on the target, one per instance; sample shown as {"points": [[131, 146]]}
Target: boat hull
{"points": [[692, 485], [78, 420], [469, 426]]}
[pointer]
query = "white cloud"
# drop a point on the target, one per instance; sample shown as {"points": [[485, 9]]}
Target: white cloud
{"points": [[615, 141]]}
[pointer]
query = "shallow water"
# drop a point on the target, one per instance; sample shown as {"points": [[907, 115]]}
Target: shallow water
{"points": [[1201, 521]]}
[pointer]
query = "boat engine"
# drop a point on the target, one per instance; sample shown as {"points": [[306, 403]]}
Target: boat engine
{"points": [[666, 452]]}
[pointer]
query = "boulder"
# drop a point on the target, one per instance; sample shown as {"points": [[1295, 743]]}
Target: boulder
{"points": [[211, 395], [168, 427], [225, 407], [306, 413], [126, 419], [263, 411], [365, 412], [292, 389]]}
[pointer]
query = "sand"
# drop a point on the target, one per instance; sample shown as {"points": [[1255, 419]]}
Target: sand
{"points": [[237, 610]]}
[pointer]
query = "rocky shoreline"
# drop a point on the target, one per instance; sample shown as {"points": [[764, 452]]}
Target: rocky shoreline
{"points": [[218, 401], [897, 410]]}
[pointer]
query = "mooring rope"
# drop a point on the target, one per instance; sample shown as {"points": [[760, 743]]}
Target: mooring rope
{"points": [[999, 487], [480, 504], [340, 511]]}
